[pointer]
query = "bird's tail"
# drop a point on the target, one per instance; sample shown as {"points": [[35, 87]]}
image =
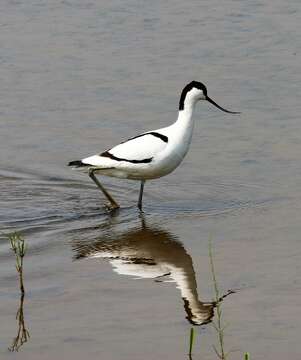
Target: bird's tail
{"points": [[77, 164]]}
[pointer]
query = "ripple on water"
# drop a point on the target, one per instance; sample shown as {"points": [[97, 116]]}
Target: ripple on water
{"points": [[36, 204]]}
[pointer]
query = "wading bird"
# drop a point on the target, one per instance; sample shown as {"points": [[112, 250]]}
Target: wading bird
{"points": [[152, 154]]}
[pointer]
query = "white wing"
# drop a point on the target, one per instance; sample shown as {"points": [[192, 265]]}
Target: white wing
{"points": [[139, 149]]}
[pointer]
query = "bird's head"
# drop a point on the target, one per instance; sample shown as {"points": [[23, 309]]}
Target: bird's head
{"points": [[195, 91]]}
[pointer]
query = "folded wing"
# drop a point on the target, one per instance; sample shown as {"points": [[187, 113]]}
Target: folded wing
{"points": [[140, 149]]}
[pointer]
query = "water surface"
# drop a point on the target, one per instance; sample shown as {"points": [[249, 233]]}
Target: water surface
{"points": [[77, 78]]}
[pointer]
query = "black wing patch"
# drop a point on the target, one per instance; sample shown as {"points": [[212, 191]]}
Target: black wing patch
{"points": [[77, 163], [156, 134], [113, 157], [143, 161]]}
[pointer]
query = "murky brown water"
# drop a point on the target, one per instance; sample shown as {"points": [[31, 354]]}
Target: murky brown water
{"points": [[78, 77]]}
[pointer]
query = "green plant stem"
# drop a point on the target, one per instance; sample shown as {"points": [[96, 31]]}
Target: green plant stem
{"points": [[19, 248], [217, 326], [191, 341]]}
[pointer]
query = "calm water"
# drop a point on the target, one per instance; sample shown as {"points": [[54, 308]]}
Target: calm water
{"points": [[76, 78]]}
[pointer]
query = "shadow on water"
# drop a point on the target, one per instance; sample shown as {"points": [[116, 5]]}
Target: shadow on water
{"points": [[149, 252]]}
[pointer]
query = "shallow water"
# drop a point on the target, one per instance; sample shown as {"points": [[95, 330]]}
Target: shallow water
{"points": [[78, 78]]}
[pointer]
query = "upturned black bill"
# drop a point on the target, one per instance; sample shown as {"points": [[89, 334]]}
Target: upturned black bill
{"points": [[219, 107]]}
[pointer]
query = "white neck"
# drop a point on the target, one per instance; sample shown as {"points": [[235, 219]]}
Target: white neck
{"points": [[185, 115], [183, 128]]}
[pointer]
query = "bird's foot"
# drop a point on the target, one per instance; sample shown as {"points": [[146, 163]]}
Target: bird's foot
{"points": [[111, 208]]}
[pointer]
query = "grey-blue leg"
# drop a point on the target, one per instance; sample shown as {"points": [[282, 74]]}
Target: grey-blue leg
{"points": [[141, 195], [114, 204]]}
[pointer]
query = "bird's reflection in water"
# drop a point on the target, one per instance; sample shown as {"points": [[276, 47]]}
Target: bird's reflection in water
{"points": [[151, 253]]}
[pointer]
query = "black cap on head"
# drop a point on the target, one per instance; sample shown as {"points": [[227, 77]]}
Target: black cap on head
{"points": [[187, 88]]}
